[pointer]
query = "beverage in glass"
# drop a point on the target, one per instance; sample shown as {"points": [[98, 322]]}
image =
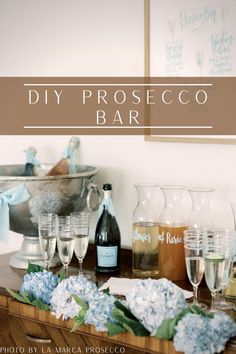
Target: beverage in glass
{"points": [[193, 247], [81, 227], [65, 240], [48, 230], [214, 261]]}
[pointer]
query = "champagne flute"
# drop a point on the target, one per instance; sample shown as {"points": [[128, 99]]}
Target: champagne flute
{"points": [[81, 225], [48, 228], [214, 261], [193, 249], [229, 237], [65, 240]]}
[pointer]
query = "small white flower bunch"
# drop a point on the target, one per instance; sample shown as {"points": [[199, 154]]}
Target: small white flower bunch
{"points": [[40, 285], [196, 334], [62, 303], [152, 301]]}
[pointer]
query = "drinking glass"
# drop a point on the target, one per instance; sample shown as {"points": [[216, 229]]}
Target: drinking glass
{"points": [[65, 240], [229, 237], [193, 249], [81, 225], [214, 261], [48, 228]]}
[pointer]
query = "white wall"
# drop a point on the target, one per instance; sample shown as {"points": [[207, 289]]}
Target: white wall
{"points": [[105, 37]]}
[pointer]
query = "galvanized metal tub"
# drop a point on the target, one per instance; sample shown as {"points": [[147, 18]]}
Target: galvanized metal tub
{"points": [[57, 194]]}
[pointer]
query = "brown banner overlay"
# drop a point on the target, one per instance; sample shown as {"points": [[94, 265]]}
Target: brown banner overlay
{"points": [[119, 106]]}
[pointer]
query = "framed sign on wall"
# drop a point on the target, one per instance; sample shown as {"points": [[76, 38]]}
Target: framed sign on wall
{"points": [[190, 39]]}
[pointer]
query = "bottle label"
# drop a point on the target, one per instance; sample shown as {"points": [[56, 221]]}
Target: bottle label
{"points": [[171, 252], [145, 237], [107, 256]]}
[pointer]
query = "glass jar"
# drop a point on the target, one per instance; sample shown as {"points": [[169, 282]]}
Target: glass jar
{"points": [[145, 232], [171, 232], [200, 216]]}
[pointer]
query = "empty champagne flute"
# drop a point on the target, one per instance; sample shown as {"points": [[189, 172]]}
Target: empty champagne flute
{"points": [[229, 237], [214, 261], [48, 228], [65, 240], [81, 225], [193, 249]]}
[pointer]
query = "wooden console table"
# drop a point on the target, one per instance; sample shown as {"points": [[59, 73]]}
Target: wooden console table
{"points": [[25, 329]]}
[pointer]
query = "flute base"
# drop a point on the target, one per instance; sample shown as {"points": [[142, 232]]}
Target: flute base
{"points": [[224, 305], [30, 252], [200, 305]]}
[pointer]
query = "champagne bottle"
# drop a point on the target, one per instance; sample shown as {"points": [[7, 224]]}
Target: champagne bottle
{"points": [[30, 163], [69, 161], [107, 236]]}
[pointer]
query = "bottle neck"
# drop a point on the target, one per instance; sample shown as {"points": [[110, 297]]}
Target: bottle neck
{"points": [[107, 203], [107, 195]]}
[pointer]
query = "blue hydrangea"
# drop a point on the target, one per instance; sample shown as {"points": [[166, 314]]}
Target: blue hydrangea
{"points": [[100, 304], [196, 334], [153, 301], [40, 285], [100, 309], [62, 303], [224, 328]]}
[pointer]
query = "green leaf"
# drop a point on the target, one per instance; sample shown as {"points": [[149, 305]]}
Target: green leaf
{"points": [[167, 329], [27, 297], [80, 302], [40, 305], [197, 310], [61, 275], [16, 296], [34, 268], [133, 326], [106, 291], [124, 309], [114, 329], [79, 320], [129, 328]]}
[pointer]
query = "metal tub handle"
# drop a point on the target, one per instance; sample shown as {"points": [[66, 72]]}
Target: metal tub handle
{"points": [[93, 189]]}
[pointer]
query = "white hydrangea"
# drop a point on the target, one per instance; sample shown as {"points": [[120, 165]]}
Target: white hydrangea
{"points": [[62, 303], [153, 301]]}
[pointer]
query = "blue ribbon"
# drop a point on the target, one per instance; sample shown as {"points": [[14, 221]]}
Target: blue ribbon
{"points": [[14, 196]]}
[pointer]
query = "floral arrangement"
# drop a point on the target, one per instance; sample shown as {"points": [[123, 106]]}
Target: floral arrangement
{"points": [[197, 334], [153, 307], [40, 285], [153, 301], [37, 287], [79, 298], [63, 304]]}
